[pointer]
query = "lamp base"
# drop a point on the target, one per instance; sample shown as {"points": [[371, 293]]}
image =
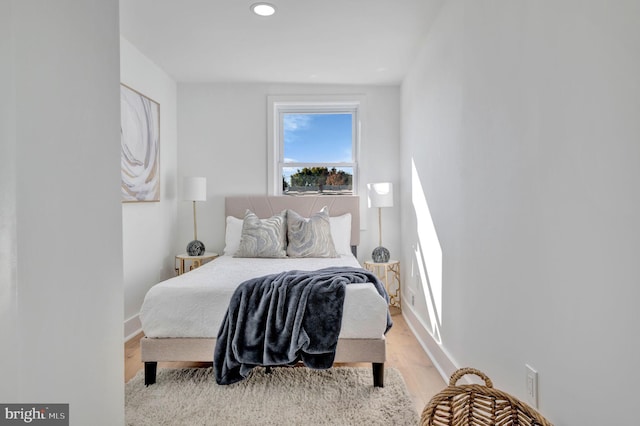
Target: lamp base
{"points": [[195, 248], [380, 255]]}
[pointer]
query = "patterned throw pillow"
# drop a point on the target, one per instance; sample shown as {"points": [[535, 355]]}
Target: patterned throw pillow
{"points": [[310, 237], [263, 237]]}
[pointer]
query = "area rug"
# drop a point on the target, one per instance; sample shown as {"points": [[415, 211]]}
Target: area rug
{"points": [[286, 396]]}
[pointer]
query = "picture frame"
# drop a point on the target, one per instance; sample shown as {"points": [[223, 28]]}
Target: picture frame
{"points": [[140, 142]]}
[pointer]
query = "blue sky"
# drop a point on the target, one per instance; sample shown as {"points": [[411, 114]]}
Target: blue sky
{"points": [[317, 138]]}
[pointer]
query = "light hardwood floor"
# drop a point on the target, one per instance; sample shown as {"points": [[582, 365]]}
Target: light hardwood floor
{"points": [[403, 352]]}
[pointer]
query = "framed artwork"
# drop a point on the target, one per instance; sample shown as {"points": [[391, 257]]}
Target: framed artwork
{"points": [[140, 140]]}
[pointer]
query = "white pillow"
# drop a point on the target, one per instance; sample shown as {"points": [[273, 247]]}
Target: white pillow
{"points": [[232, 235], [341, 233]]}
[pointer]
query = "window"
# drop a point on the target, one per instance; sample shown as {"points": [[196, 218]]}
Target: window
{"points": [[313, 145]]}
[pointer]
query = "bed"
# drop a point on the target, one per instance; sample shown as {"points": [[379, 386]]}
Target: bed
{"points": [[181, 316]]}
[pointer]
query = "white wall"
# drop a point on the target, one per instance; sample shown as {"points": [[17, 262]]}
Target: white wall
{"points": [[223, 136], [522, 120], [63, 223], [8, 219], [149, 229]]}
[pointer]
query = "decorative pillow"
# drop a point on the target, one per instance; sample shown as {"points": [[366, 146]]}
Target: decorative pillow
{"points": [[263, 237], [232, 235], [310, 237], [341, 233]]}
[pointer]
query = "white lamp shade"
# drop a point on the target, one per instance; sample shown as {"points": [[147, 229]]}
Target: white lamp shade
{"points": [[380, 194], [194, 189]]}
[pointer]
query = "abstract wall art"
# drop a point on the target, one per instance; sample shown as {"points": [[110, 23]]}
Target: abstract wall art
{"points": [[140, 140]]}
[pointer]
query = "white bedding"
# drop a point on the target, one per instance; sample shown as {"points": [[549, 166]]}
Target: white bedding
{"points": [[194, 304]]}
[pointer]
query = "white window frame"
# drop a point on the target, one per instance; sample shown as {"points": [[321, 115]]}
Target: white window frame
{"points": [[279, 105]]}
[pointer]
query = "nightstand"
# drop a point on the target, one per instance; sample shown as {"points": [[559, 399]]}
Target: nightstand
{"points": [[389, 274], [195, 261]]}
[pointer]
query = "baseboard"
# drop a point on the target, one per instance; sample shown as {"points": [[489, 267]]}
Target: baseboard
{"points": [[440, 358], [132, 327]]}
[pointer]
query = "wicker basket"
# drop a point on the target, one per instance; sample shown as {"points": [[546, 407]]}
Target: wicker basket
{"points": [[478, 405]]}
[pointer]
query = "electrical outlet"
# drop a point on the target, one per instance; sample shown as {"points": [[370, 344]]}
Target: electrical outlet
{"points": [[532, 386], [412, 297]]}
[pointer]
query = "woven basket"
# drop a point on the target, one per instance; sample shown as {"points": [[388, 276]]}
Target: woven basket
{"points": [[478, 405]]}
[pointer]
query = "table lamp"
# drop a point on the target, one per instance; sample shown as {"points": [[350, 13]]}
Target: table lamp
{"points": [[380, 195], [195, 189]]}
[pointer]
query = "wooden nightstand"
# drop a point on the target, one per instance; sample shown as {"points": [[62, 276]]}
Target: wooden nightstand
{"points": [[195, 261], [389, 274]]}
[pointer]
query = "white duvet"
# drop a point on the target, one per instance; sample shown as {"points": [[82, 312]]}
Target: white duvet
{"points": [[194, 304]]}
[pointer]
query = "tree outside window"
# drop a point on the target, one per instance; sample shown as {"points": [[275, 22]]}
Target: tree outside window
{"points": [[317, 149]]}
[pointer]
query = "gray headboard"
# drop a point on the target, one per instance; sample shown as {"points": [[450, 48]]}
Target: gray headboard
{"points": [[265, 206]]}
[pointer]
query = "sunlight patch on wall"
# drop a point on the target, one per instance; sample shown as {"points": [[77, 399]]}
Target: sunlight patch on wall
{"points": [[434, 323], [428, 251]]}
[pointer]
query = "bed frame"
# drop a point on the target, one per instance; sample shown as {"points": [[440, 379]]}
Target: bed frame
{"points": [[154, 350]]}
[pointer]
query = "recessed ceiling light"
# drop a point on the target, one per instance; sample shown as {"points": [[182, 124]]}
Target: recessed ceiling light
{"points": [[263, 9]]}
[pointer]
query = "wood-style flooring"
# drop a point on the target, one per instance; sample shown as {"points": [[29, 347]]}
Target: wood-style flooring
{"points": [[403, 352]]}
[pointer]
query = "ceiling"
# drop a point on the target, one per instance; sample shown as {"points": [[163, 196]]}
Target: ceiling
{"points": [[322, 41]]}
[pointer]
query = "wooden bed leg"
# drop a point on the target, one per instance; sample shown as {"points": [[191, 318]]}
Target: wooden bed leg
{"points": [[267, 369], [378, 374], [150, 369]]}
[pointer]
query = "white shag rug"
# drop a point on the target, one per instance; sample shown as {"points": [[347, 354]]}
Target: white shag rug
{"points": [[286, 396]]}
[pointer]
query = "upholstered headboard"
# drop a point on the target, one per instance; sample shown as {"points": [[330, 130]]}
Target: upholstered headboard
{"points": [[265, 206]]}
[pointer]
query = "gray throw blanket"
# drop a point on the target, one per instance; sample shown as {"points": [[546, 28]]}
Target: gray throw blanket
{"points": [[282, 318]]}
